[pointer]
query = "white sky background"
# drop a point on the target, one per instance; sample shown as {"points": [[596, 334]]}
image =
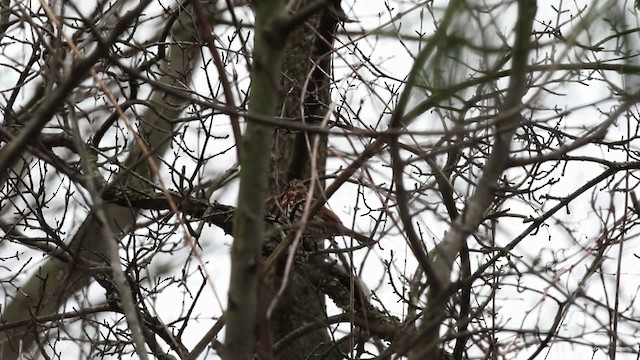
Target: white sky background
{"points": [[549, 242]]}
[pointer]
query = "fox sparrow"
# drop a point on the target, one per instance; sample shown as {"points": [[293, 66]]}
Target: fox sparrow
{"points": [[324, 224]]}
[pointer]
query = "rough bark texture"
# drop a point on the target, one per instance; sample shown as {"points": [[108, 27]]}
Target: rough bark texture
{"points": [[305, 85], [305, 94]]}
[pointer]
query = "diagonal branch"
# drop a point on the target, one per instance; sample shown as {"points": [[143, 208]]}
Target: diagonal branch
{"points": [[443, 256]]}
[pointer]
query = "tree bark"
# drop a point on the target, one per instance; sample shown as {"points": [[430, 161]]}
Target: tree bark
{"points": [[305, 97]]}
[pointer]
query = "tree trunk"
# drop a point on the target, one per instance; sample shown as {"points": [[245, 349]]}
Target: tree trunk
{"points": [[305, 85]]}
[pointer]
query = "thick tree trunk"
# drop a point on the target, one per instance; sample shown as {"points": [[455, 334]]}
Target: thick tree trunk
{"points": [[305, 97]]}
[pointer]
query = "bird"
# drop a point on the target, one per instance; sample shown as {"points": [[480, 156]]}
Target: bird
{"points": [[323, 225]]}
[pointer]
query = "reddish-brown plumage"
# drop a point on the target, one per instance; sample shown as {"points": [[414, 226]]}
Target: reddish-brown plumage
{"points": [[321, 226]]}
